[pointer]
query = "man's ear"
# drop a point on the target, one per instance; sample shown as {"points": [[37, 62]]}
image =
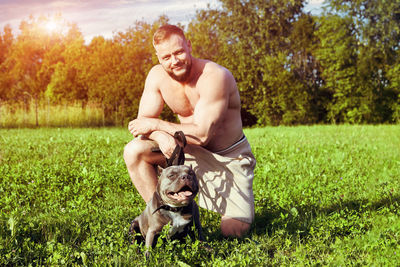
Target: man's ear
{"points": [[189, 44]]}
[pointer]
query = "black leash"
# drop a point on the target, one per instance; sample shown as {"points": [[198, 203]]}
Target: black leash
{"points": [[178, 155]]}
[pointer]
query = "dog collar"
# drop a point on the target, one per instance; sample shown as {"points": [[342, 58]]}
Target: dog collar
{"points": [[169, 208]]}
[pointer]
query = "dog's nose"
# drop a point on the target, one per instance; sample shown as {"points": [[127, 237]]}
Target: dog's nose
{"points": [[184, 177]]}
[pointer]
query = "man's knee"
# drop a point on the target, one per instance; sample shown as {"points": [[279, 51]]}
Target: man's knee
{"points": [[139, 150], [131, 152], [135, 150], [234, 228]]}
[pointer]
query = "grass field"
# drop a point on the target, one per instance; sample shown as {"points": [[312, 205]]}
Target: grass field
{"points": [[52, 115], [325, 195]]}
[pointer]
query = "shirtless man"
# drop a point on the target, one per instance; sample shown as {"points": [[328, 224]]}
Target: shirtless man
{"points": [[205, 97]]}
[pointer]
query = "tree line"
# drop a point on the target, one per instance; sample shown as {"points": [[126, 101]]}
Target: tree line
{"points": [[292, 67]]}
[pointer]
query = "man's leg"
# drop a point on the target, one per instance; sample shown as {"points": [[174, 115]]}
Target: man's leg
{"points": [[140, 162], [233, 228]]}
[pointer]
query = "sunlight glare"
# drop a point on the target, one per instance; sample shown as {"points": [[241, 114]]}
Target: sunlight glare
{"points": [[51, 26]]}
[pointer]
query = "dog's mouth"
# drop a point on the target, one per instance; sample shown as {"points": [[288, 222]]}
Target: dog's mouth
{"points": [[183, 194]]}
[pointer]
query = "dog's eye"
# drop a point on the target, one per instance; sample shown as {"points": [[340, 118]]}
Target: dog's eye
{"points": [[170, 175]]}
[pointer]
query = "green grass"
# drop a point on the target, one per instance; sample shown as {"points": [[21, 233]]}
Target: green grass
{"points": [[325, 195]]}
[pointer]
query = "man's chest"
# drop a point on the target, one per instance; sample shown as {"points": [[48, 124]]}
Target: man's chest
{"points": [[181, 100]]}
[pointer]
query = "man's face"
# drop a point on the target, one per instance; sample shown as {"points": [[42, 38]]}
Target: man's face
{"points": [[174, 54]]}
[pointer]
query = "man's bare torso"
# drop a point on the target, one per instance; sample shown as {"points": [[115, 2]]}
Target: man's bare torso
{"points": [[183, 98]]}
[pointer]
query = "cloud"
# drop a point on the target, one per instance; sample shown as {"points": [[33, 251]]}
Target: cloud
{"points": [[95, 17], [315, 2], [103, 17], [313, 6]]}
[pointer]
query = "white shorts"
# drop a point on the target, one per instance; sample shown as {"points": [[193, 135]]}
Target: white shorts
{"points": [[225, 179]]}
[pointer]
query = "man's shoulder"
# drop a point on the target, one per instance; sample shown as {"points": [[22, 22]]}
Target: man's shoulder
{"points": [[155, 76], [212, 66], [214, 70], [156, 70]]}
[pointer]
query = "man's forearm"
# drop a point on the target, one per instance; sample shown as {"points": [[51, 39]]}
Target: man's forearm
{"points": [[192, 133], [159, 136]]}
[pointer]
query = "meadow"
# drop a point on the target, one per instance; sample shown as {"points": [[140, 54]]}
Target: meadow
{"points": [[15, 115], [324, 195]]}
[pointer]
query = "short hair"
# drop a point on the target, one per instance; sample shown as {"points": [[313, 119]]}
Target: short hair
{"points": [[165, 31]]}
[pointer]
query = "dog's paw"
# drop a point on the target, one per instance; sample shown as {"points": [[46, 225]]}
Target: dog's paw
{"points": [[147, 255], [134, 232], [206, 246]]}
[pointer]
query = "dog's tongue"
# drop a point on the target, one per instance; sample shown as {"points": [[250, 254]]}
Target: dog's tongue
{"points": [[186, 193], [183, 194]]}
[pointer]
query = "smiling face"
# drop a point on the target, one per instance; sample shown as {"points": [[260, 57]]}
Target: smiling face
{"points": [[174, 55]]}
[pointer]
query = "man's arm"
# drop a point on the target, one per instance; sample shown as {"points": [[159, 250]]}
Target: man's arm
{"points": [[151, 103], [150, 106], [209, 111]]}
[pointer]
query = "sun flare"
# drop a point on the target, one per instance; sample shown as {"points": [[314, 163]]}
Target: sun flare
{"points": [[52, 26]]}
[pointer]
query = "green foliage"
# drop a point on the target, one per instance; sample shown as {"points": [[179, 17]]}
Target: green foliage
{"points": [[257, 42], [359, 49], [394, 78], [337, 55], [324, 195], [291, 67], [6, 40], [69, 81]]}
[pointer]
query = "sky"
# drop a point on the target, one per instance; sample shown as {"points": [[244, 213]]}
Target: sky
{"points": [[106, 17]]}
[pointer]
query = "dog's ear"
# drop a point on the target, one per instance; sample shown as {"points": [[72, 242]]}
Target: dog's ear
{"points": [[159, 170]]}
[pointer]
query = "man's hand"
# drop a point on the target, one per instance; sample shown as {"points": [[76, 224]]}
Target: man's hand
{"points": [[166, 143], [142, 126], [147, 127]]}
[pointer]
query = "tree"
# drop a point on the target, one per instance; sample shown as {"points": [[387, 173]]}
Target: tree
{"points": [[32, 60], [394, 78], [137, 57], [69, 81], [6, 42], [306, 67], [253, 39], [204, 34], [337, 55], [370, 31]]}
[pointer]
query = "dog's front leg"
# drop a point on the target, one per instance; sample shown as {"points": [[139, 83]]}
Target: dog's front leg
{"points": [[196, 220], [197, 225], [149, 241]]}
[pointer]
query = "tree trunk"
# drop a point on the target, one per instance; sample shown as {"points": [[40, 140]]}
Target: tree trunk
{"points": [[122, 111], [48, 112], [37, 111]]}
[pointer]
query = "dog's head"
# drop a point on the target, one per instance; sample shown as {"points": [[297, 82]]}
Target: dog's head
{"points": [[177, 185]]}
